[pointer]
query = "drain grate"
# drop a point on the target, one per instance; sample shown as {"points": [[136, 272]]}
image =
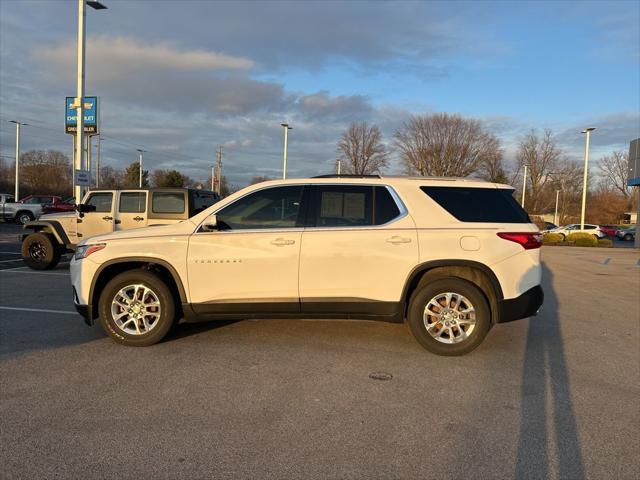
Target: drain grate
{"points": [[383, 376]]}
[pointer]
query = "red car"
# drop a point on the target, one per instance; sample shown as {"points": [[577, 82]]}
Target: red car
{"points": [[50, 203], [609, 230]]}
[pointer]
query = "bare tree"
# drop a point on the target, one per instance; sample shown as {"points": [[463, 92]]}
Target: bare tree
{"points": [[259, 179], [47, 172], [615, 171], [445, 145], [541, 155], [361, 150], [492, 168]]}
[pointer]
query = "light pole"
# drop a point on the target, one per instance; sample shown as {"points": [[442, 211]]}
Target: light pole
{"points": [[212, 176], [79, 101], [18, 124], [338, 166], [286, 138], [555, 216], [584, 179], [98, 162], [524, 185], [140, 154]]}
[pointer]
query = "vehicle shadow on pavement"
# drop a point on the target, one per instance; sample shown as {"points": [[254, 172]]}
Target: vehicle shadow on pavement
{"points": [[545, 386], [183, 330]]}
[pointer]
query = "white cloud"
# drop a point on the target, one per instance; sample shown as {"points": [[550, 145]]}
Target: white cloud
{"points": [[118, 55]]}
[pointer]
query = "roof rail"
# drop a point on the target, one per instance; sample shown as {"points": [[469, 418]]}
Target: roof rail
{"points": [[346, 175]]}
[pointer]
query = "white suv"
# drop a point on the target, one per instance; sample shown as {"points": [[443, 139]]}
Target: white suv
{"points": [[451, 256]]}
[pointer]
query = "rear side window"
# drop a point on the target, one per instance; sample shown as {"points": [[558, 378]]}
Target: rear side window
{"points": [[102, 201], [168, 202], [352, 206], [487, 205], [133, 202]]}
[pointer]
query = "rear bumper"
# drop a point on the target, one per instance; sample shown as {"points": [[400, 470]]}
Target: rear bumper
{"points": [[85, 311], [526, 305]]}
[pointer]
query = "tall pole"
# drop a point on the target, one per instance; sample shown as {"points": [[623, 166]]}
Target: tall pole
{"points": [[339, 166], [219, 175], [17, 189], [98, 162], [555, 217], [286, 140], [88, 142], [524, 185], [79, 102], [140, 152], [213, 173], [584, 178]]}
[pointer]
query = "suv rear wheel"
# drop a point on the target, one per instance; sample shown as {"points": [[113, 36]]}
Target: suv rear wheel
{"points": [[136, 308], [449, 316]]}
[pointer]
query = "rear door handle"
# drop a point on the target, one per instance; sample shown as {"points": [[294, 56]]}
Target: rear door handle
{"points": [[281, 242], [396, 239], [107, 218], [138, 218]]}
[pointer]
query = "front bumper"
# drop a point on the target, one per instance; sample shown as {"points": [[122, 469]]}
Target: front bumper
{"points": [[85, 311], [526, 305]]}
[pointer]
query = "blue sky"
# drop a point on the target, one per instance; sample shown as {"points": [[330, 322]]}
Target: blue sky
{"points": [[179, 77]]}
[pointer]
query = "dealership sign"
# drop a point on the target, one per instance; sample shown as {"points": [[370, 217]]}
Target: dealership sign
{"points": [[90, 116]]}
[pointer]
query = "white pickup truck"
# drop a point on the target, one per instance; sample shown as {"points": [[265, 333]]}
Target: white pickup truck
{"points": [[105, 211], [18, 212]]}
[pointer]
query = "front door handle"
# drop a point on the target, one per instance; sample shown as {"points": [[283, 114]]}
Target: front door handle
{"points": [[281, 242], [396, 239], [138, 218], [107, 218]]}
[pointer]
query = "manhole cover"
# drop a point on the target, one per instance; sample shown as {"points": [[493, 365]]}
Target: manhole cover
{"points": [[380, 376]]}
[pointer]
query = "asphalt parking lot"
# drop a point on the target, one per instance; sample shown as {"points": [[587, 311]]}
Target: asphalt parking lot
{"points": [[555, 396]]}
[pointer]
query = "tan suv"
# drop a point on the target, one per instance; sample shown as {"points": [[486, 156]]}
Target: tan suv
{"points": [[106, 211]]}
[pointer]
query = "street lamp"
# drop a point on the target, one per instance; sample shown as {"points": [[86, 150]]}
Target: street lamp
{"points": [[18, 124], [584, 180], [286, 137], [555, 216], [141, 153], [524, 184], [79, 101]]}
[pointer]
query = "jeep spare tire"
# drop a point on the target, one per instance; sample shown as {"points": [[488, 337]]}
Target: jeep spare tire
{"points": [[41, 251]]}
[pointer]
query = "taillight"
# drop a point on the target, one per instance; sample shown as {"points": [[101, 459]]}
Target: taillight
{"points": [[528, 240]]}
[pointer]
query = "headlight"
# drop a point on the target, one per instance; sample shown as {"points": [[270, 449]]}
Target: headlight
{"points": [[83, 251]]}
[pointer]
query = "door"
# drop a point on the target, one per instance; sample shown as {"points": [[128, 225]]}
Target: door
{"points": [[250, 265], [357, 250], [132, 210], [100, 221]]}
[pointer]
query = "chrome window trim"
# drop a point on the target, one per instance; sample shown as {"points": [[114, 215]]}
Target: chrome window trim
{"points": [[394, 195]]}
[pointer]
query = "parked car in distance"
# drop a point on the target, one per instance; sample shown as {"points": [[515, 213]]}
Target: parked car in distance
{"points": [[452, 256], [104, 211], [609, 230], [626, 234], [575, 227], [21, 213], [60, 205], [39, 199], [549, 226]]}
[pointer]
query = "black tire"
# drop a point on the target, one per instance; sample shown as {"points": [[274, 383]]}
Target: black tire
{"points": [[23, 217], [628, 237], [165, 320], [564, 237], [422, 296], [41, 251]]}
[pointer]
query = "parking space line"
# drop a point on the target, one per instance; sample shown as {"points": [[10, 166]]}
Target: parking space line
{"points": [[14, 260], [39, 310], [606, 262], [17, 270], [11, 253]]}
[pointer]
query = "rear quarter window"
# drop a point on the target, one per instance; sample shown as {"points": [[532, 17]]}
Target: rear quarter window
{"points": [[481, 205], [168, 202]]}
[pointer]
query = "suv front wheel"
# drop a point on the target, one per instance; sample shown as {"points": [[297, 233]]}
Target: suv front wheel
{"points": [[137, 308], [449, 316]]}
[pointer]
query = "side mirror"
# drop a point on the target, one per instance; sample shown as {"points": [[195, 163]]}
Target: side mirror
{"points": [[84, 208], [210, 224]]}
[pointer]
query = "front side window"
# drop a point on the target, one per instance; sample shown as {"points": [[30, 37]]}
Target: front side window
{"points": [[277, 207], [352, 206], [168, 202], [133, 202], [102, 201]]}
